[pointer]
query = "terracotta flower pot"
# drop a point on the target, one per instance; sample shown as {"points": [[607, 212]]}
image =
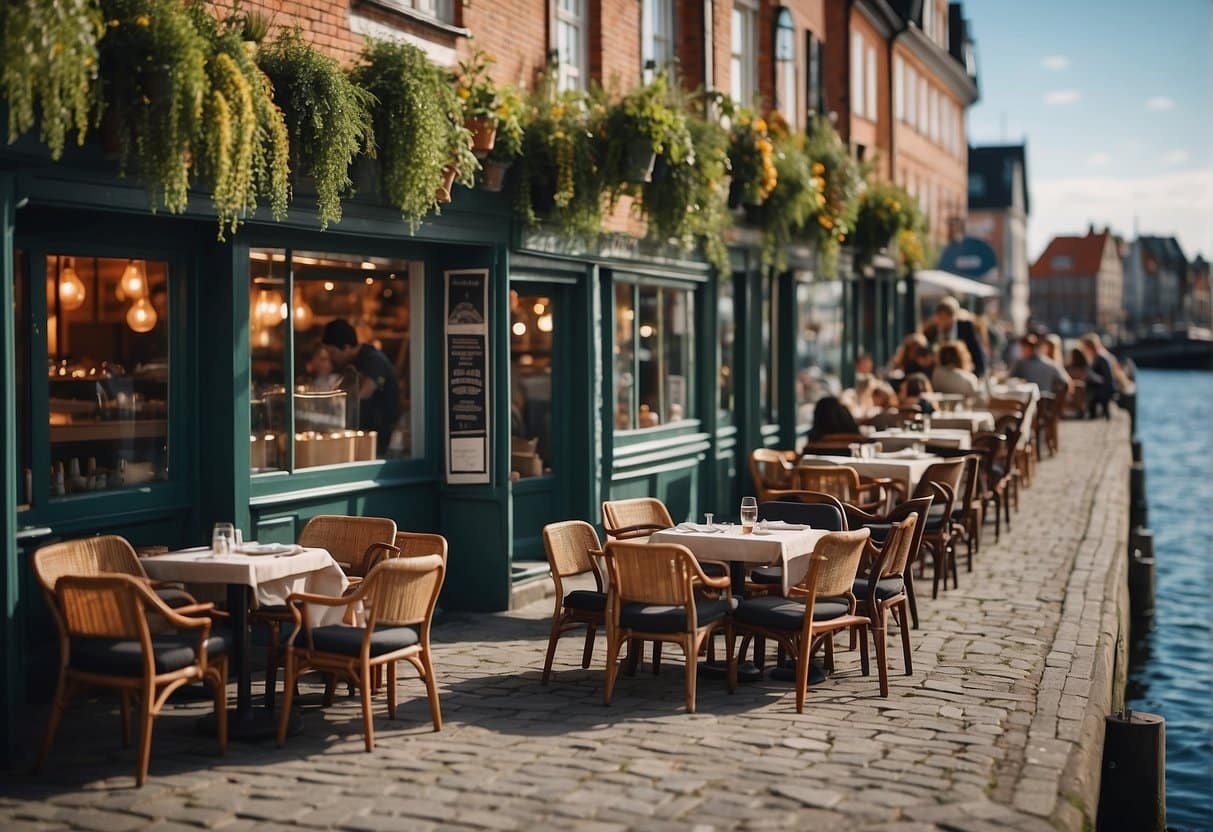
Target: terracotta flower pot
{"points": [[443, 194], [492, 178], [484, 135]]}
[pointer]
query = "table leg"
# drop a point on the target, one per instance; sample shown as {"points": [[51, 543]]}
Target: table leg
{"points": [[746, 671]]}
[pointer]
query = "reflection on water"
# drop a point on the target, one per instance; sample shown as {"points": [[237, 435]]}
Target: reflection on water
{"points": [[1173, 663]]}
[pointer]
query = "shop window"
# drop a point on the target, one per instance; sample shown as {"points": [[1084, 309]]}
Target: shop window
{"points": [[532, 325], [743, 52], [768, 370], [107, 344], [571, 44], [857, 85], [25, 487], [727, 329], [348, 349], [819, 332], [656, 36], [654, 355], [815, 83]]}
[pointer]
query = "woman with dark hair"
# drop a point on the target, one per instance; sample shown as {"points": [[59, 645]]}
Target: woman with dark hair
{"points": [[914, 391], [830, 417]]}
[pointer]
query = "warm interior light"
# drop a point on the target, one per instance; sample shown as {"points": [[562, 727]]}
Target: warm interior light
{"points": [[328, 285], [519, 328], [544, 323], [269, 309], [646, 331], [303, 312], [141, 317], [132, 284], [539, 308], [368, 265], [71, 289], [370, 281], [627, 314]]}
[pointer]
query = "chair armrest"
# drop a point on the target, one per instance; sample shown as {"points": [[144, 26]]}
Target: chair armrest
{"points": [[724, 582], [321, 600], [195, 608], [640, 527]]}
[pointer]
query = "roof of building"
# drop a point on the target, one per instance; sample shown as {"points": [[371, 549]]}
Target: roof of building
{"points": [[1164, 252], [1071, 256], [996, 167]]}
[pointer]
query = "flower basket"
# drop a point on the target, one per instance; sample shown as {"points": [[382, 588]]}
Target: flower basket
{"points": [[484, 135], [493, 177], [639, 161], [443, 195]]}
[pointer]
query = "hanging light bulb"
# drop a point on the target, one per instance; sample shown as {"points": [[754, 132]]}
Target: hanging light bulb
{"points": [[71, 288], [268, 311], [544, 323], [141, 317], [303, 312], [132, 284]]}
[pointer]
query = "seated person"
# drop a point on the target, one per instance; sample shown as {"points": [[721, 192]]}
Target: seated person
{"points": [[915, 391], [829, 418], [954, 374], [884, 403], [1035, 368]]}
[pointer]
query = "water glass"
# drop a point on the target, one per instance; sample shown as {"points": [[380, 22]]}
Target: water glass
{"points": [[919, 448], [749, 514], [223, 536], [926, 422], [707, 520], [856, 450]]}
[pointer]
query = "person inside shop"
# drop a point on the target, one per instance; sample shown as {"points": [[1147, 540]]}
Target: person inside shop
{"points": [[1035, 368], [321, 376], [951, 323], [378, 390]]}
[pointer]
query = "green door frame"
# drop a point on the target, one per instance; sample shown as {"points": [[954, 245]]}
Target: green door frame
{"points": [[12, 686]]}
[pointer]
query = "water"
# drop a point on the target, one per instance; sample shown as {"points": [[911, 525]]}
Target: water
{"points": [[1173, 664]]}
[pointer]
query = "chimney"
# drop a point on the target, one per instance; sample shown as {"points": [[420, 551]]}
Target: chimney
{"points": [[1090, 229]]}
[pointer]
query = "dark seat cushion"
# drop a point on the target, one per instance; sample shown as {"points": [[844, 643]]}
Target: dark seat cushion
{"points": [[124, 657], [586, 600], [885, 588], [880, 531], [775, 613], [714, 570], [767, 575], [347, 641], [659, 618]]}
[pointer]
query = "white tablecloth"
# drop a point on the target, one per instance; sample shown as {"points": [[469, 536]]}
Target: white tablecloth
{"points": [[892, 440], [970, 420], [789, 548], [1025, 392], [906, 470], [271, 578]]}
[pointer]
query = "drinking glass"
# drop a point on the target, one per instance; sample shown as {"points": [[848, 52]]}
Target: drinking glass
{"points": [[919, 448], [926, 422], [223, 536], [749, 514], [707, 520], [856, 450]]}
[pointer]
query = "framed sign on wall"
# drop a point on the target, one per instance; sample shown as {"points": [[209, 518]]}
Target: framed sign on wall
{"points": [[466, 336]]}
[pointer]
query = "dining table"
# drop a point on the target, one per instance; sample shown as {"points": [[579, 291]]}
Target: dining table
{"points": [[896, 439], [254, 580], [904, 466], [974, 421]]}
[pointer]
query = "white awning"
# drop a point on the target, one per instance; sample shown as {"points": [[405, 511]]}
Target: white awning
{"points": [[937, 283]]}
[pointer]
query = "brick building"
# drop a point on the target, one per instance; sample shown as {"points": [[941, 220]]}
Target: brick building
{"points": [[1077, 284]]}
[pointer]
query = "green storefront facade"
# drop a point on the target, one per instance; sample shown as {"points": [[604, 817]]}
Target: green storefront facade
{"points": [[658, 377]]}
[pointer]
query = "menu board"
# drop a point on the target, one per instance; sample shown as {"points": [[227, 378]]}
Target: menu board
{"points": [[467, 377]]}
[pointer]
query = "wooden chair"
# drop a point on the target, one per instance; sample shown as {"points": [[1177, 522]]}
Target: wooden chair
{"points": [[636, 518], [967, 513], [771, 471], [1045, 426], [941, 481], [880, 527], [654, 596], [1012, 426], [844, 483], [398, 596], [995, 475], [883, 589], [418, 544], [105, 640], [800, 626], [571, 547], [100, 555]]}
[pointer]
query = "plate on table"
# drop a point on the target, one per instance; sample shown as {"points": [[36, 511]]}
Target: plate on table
{"points": [[276, 549]]}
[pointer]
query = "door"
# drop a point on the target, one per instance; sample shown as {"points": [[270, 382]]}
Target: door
{"points": [[540, 395]]}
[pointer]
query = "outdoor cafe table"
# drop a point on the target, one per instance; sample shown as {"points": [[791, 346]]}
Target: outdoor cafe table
{"points": [[789, 548], [974, 421], [1024, 392], [253, 580], [896, 440], [897, 466]]}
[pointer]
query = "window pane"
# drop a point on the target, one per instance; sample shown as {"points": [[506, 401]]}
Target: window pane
{"points": [[267, 363], [649, 355], [532, 326], [857, 87], [767, 367], [870, 80], [625, 355], [25, 487], [677, 315], [818, 345], [107, 342], [727, 328]]}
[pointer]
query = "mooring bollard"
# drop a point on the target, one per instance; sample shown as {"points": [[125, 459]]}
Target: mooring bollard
{"points": [[1141, 573], [1135, 444], [1139, 508], [1132, 792]]}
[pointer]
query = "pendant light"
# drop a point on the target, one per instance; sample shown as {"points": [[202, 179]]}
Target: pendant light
{"points": [[303, 313], [269, 308], [141, 317], [71, 288], [133, 283]]}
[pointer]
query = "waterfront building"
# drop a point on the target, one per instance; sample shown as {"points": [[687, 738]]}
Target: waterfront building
{"points": [[1077, 284], [1198, 302], [1155, 283], [999, 205]]}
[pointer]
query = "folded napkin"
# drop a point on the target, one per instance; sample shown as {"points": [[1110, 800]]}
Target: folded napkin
{"points": [[782, 526], [904, 453], [254, 548], [695, 527]]}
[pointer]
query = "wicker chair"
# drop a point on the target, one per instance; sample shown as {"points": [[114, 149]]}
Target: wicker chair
{"points": [[880, 527], [105, 640], [104, 554], [399, 596], [799, 627], [844, 483], [771, 472], [883, 589], [635, 519], [654, 596], [418, 544], [571, 547]]}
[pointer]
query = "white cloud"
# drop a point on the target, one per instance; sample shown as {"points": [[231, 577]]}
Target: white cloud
{"points": [[1179, 203], [1175, 157], [1058, 97], [1098, 159], [1160, 102], [1056, 63]]}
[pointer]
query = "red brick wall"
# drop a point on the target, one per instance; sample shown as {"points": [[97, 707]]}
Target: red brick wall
{"points": [[838, 65]]}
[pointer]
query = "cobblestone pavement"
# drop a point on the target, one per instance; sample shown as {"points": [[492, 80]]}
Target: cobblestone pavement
{"points": [[976, 739]]}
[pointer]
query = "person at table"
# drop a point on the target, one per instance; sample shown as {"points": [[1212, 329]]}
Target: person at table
{"points": [[858, 399], [915, 394], [1051, 349], [1033, 367], [831, 417], [378, 390], [884, 404], [951, 323], [953, 375], [1101, 378], [911, 356], [864, 366]]}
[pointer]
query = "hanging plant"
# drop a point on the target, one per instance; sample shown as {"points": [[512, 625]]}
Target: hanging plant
{"points": [[462, 163], [328, 116], [153, 65], [481, 100], [646, 123], [840, 179], [411, 122], [889, 218], [795, 199], [49, 69], [508, 144], [751, 158]]}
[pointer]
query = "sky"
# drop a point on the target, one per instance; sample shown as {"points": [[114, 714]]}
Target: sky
{"points": [[1115, 100]]}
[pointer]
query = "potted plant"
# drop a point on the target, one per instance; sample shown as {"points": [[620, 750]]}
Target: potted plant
{"points": [[887, 217], [840, 181], [751, 159], [508, 145], [58, 86], [462, 163], [328, 117], [794, 200], [480, 101], [642, 125]]}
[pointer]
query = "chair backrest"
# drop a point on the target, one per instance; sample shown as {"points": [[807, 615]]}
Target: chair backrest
{"points": [[970, 480], [770, 470], [842, 552], [840, 481], [418, 544], [919, 508], [570, 546], [348, 539], [103, 606], [898, 547], [821, 515], [948, 473], [404, 591], [637, 517], [89, 557], [651, 573]]}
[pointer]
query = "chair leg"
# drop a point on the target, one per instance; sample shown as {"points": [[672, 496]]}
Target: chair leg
{"points": [[802, 673], [935, 569], [612, 665], [635, 654], [588, 652], [288, 694], [368, 718], [330, 690], [862, 632], [63, 694], [905, 636], [760, 651], [690, 646], [271, 664], [218, 676], [913, 599], [391, 690], [879, 636], [656, 657], [431, 689], [147, 717], [125, 707], [829, 652], [553, 638], [730, 658]]}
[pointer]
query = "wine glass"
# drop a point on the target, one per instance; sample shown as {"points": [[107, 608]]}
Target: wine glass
{"points": [[223, 536], [749, 514]]}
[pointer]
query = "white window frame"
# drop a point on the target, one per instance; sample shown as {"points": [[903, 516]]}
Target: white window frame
{"points": [[911, 96], [933, 114], [928, 19], [857, 85], [743, 52], [441, 10], [899, 97], [923, 99], [870, 98], [657, 36], [573, 76]]}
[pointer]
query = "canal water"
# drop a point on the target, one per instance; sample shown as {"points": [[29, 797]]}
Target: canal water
{"points": [[1172, 672]]}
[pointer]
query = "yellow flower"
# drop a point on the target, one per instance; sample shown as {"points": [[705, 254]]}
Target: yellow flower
{"points": [[465, 93], [825, 221], [760, 125], [896, 205], [115, 23], [143, 20], [818, 168], [821, 200]]}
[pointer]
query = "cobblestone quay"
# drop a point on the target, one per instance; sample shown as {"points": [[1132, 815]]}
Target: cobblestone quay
{"points": [[1000, 727]]}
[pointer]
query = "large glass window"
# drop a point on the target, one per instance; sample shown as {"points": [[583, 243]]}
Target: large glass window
{"points": [[768, 370], [727, 329], [818, 345], [785, 68], [857, 85], [571, 49], [532, 325], [656, 35], [348, 350], [654, 355], [743, 51], [815, 82], [107, 344], [870, 83]]}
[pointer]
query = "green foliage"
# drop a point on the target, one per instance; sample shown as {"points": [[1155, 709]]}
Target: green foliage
{"points": [[458, 136], [888, 217], [511, 108], [412, 121], [751, 157], [328, 116], [841, 179], [154, 85], [49, 69], [650, 116], [795, 200], [476, 89]]}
